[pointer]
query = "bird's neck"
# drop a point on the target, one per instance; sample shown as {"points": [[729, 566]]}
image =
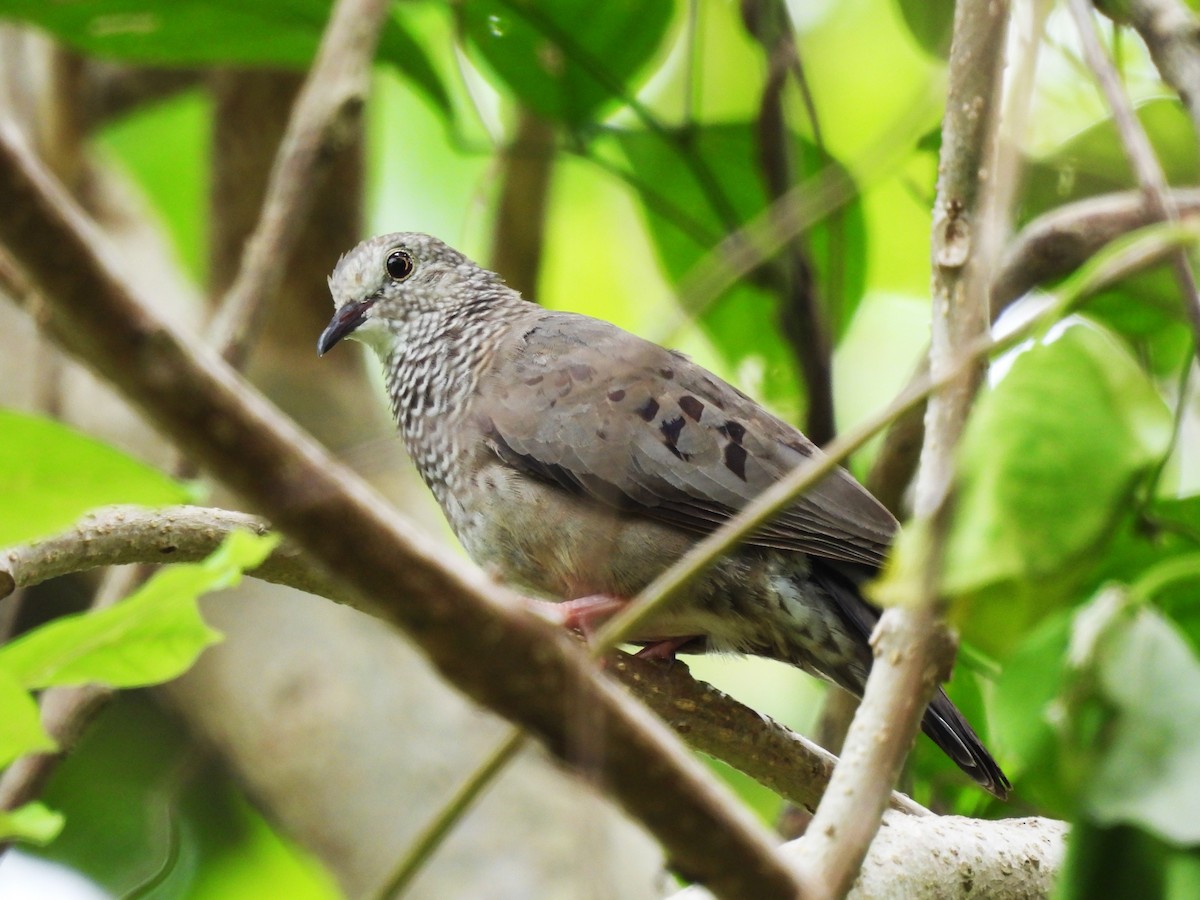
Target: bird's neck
{"points": [[433, 369]]}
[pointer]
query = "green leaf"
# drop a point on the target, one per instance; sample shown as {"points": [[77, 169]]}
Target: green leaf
{"points": [[1049, 457], [50, 475], [32, 823], [21, 729], [566, 59], [151, 637], [282, 33], [1149, 770], [692, 206]]}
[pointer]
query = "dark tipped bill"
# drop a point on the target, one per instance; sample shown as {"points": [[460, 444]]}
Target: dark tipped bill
{"points": [[344, 321]]}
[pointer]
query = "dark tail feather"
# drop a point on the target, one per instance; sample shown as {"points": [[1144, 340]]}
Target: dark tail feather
{"points": [[950, 731]]}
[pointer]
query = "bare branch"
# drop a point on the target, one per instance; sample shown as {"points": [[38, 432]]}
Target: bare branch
{"points": [[1140, 152], [1010, 859], [706, 718], [330, 103], [1172, 33], [803, 320], [519, 229], [913, 651]]}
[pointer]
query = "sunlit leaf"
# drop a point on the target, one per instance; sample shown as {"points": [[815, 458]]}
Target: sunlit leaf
{"points": [[50, 475], [1048, 457], [21, 729], [32, 823], [154, 635]]}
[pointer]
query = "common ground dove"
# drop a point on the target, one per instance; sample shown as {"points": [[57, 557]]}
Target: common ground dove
{"points": [[576, 459]]}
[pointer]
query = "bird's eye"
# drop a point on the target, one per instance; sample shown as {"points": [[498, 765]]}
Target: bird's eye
{"points": [[399, 265]]}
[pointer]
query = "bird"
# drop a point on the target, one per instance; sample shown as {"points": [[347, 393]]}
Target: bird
{"points": [[578, 461]]}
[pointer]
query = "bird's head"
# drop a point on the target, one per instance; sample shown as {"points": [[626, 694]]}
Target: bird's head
{"points": [[390, 281]]}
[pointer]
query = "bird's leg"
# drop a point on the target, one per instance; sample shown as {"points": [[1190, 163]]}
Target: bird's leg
{"points": [[585, 615], [665, 649]]}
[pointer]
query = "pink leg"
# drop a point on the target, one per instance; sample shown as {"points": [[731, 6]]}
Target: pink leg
{"points": [[583, 614]]}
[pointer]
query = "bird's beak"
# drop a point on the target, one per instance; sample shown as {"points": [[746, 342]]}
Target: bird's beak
{"points": [[344, 321]]}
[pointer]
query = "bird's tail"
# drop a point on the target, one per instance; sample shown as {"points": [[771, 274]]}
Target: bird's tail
{"points": [[943, 722], [950, 731]]}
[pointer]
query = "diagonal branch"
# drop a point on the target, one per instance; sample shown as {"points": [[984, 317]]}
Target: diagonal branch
{"points": [[913, 650], [706, 718], [470, 630], [1138, 149]]}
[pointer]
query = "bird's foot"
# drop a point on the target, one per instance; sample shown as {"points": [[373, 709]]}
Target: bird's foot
{"points": [[665, 649]]}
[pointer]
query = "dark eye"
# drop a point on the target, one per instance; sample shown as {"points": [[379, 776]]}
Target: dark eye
{"points": [[399, 265]]}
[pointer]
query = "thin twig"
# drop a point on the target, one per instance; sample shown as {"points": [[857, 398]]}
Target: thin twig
{"points": [[1140, 152], [325, 115], [804, 322], [456, 807]]}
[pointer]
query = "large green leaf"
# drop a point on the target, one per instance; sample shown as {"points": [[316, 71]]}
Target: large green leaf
{"points": [[566, 59], [152, 636], [699, 186], [1049, 456], [1148, 767], [215, 32], [21, 729], [50, 475]]}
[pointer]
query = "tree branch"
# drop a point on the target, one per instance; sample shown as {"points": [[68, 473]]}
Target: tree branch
{"points": [[913, 651], [707, 719], [518, 233], [396, 573], [949, 856], [1140, 152], [1172, 33], [329, 105]]}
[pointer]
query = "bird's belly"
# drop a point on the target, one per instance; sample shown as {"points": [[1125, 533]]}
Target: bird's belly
{"points": [[538, 536]]}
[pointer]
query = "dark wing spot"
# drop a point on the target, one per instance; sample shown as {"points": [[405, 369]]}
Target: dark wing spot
{"points": [[693, 407], [616, 396], [536, 379], [735, 431], [581, 372], [602, 434], [800, 448], [671, 429], [667, 372], [735, 460], [648, 410]]}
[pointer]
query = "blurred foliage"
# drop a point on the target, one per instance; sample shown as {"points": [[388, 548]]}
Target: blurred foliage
{"points": [[1072, 568]]}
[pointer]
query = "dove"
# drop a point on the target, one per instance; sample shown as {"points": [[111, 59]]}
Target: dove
{"points": [[578, 461]]}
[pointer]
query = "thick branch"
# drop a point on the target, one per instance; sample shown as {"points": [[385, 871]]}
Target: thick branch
{"points": [[949, 856], [706, 718], [399, 575], [912, 650], [518, 233]]}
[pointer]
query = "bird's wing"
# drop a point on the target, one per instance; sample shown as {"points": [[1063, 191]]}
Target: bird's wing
{"points": [[580, 403]]}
